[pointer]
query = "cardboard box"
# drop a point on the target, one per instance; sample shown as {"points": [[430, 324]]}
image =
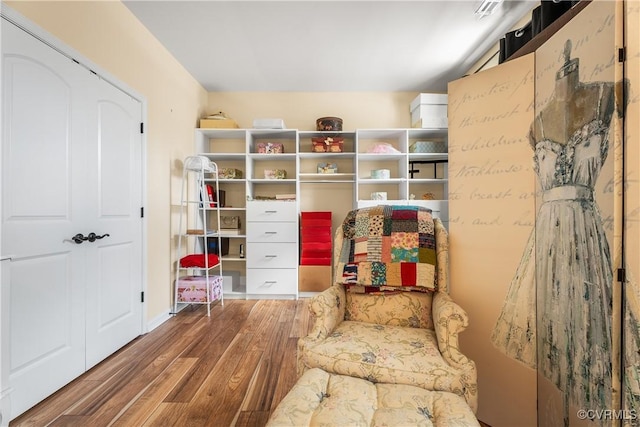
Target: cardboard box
{"points": [[230, 173], [229, 222], [314, 278], [429, 110], [218, 123]]}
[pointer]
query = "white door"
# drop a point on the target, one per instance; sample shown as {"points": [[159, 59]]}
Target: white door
{"points": [[70, 158], [114, 262]]}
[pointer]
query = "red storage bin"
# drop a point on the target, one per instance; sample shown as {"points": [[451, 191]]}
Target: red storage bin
{"points": [[320, 234], [317, 246], [315, 238], [315, 215], [315, 223], [315, 261]]}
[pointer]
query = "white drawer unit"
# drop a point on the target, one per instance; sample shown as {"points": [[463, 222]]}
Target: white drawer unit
{"points": [[272, 249], [265, 281], [272, 255], [272, 211], [271, 232]]}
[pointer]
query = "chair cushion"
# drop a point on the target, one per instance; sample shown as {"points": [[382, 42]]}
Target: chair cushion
{"points": [[319, 398], [385, 354], [411, 309]]}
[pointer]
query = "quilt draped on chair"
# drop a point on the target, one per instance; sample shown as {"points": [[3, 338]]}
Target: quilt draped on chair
{"points": [[388, 249]]}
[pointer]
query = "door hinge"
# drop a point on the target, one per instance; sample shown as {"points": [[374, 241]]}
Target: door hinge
{"points": [[622, 54], [622, 275], [141, 127], [142, 212], [142, 296]]}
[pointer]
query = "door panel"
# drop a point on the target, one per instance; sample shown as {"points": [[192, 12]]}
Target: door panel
{"points": [[37, 147], [577, 233], [118, 124], [41, 137], [115, 262], [47, 327]]}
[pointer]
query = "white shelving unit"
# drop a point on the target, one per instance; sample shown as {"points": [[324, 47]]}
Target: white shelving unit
{"points": [[412, 174], [199, 185], [350, 187], [240, 149]]}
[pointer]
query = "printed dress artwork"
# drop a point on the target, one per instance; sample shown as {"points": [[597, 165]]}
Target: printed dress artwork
{"points": [[558, 311]]}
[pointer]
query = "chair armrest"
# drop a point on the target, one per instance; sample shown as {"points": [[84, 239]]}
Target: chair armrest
{"points": [[328, 310], [449, 320]]}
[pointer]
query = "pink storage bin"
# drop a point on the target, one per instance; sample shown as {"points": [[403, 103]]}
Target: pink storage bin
{"points": [[194, 289], [270, 148]]}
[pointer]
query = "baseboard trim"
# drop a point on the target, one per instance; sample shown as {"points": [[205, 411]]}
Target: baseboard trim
{"points": [[158, 320]]}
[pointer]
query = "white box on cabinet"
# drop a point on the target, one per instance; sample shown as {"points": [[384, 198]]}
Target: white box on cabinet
{"points": [[429, 110]]}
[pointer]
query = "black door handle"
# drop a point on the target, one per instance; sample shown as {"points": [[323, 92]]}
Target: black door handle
{"points": [[79, 238], [92, 237]]}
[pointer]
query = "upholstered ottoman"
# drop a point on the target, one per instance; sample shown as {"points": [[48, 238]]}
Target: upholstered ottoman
{"points": [[323, 399]]}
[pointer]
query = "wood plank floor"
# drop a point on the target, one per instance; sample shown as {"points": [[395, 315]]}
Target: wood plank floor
{"points": [[230, 369]]}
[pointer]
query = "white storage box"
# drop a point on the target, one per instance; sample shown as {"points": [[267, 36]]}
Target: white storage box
{"points": [[268, 124], [429, 110], [230, 281], [380, 174]]}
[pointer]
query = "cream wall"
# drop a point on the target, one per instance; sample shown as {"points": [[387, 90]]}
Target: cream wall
{"points": [[301, 109], [107, 33]]}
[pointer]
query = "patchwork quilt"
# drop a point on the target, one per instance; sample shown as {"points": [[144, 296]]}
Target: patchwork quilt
{"points": [[388, 248]]}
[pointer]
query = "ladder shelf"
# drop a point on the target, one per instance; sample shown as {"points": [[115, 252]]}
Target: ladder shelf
{"points": [[198, 277]]}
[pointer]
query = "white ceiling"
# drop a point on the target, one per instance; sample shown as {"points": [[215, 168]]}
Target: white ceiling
{"points": [[311, 46]]}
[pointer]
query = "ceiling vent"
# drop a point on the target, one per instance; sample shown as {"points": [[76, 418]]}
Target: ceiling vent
{"points": [[487, 7]]}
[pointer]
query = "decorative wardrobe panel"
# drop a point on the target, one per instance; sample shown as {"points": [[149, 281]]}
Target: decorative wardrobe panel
{"points": [[492, 190], [543, 216]]}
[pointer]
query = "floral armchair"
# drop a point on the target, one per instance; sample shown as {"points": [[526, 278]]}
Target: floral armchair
{"points": [[399, 338]]}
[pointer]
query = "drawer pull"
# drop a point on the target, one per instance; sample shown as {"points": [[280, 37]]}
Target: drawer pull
{"points": [[270, 232], [270, 212], [270, 282], [271, 256]]}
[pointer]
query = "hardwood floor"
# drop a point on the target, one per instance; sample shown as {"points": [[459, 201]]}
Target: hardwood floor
{"points": [[230, 369]]}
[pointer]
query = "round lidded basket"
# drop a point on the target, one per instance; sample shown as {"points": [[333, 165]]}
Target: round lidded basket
{"points": [[329, 124]]}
